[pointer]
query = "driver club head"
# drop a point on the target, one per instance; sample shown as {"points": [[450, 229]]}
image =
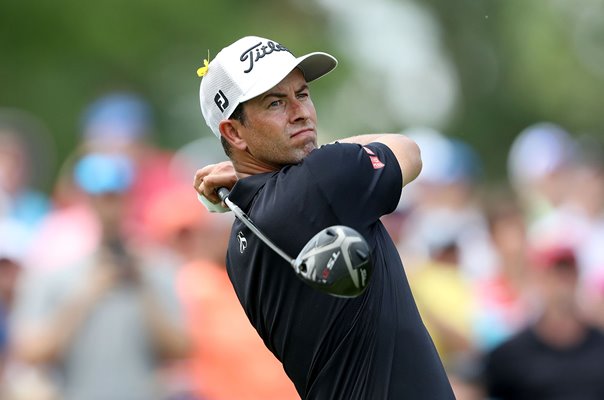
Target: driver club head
{"points": [[336, 261]]}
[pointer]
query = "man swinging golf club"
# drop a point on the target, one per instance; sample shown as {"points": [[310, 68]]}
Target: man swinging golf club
{"points": [[365, 344]]}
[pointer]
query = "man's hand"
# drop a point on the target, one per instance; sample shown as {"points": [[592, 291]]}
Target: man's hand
{"points": [[211, 177]]}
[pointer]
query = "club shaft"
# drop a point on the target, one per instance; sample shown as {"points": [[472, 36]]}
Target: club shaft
{"points": [[223, 193]]}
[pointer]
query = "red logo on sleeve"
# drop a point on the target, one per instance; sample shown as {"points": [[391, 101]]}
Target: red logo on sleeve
{"points": [[377, 164], [375, 161]]}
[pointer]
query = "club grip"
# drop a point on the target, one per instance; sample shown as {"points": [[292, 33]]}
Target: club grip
{"points": [[223, 193]]}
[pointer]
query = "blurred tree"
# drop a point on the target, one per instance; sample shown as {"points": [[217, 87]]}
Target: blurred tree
{"points": [[516, 62], [519, 62], [58, 56]]}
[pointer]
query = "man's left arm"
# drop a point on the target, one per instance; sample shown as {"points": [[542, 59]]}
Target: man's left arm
{"points": [[405, 150]]}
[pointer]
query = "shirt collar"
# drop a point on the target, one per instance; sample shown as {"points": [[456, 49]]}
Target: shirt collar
{"points": [[246, 189]]}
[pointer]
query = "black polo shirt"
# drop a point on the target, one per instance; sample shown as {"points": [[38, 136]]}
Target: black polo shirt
{"points": [[372, 347], [527, 368]]}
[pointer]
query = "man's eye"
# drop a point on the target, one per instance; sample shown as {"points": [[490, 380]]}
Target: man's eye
{"points": [[303, 95], [275, 103]]}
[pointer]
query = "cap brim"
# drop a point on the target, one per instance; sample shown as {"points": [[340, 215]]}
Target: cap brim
{"points": [[313, 66]]}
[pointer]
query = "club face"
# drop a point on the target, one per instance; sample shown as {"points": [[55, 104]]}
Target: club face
{"points": [[336, 261]]}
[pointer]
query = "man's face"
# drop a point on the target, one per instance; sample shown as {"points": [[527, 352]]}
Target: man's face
{"points": [[280, 127]]}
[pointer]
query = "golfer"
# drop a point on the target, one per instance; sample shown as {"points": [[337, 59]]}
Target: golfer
{"points": [[255, 97]]}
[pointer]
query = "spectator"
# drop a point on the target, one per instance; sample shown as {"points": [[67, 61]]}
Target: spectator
{"points": [[123, 122], [560, 355], [539, 162], [501, 298], [106, 324], [117, 122], [20, 199], [223, 341], [444, 297], [445, 195], [14, 238], [578, 218]]}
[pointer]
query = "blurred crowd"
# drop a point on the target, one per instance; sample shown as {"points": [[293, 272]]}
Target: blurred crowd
{"points": [[113, 284]]}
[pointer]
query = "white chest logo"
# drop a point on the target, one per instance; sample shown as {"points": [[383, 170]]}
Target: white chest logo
{"points": [[242, 242]]}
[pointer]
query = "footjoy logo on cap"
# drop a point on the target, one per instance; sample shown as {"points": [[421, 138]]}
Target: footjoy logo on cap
{"points": [[221, 101], [250, 57], [260, 52]]}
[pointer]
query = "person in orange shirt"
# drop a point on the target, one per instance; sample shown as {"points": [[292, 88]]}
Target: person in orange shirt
{"points": [[225, 345]]}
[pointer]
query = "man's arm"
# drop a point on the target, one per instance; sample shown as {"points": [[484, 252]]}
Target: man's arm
{"points": [[212, 177], [405, 150]]}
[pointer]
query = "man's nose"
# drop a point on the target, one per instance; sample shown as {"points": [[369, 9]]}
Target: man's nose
{"points": [[298, 110]]}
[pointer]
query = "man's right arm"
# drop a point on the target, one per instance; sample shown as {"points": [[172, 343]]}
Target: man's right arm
{"points": [[405, 150]]}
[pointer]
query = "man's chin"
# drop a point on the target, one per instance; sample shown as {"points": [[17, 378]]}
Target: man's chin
{"points": [[307, 149]]}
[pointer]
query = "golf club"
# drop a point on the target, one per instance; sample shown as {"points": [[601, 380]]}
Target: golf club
{"points": [[335, 261]]}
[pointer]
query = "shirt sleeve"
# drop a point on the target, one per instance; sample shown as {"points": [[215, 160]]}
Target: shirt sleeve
{"points": [[358, 182]]}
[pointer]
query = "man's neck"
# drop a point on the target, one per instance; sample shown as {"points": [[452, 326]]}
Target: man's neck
{"points": [[246, 165], [560, 328]]}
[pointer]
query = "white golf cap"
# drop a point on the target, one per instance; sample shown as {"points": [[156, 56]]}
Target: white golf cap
{"points": [[247, 68]]}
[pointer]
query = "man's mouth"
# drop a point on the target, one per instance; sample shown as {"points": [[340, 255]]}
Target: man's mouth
{"points": [[301, 132]]}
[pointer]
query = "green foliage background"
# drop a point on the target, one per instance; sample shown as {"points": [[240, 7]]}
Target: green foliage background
{"points": [[57, 56]]}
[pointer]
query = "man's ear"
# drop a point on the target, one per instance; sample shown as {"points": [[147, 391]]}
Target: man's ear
{"points": [[229, 129]]}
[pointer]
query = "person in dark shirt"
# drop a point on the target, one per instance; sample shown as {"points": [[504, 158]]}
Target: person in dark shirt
{"points": [[559, 356], [255, 98]]}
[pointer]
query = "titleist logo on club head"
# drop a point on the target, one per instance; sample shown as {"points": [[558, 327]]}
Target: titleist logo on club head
{"points": [[258, 51]]}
